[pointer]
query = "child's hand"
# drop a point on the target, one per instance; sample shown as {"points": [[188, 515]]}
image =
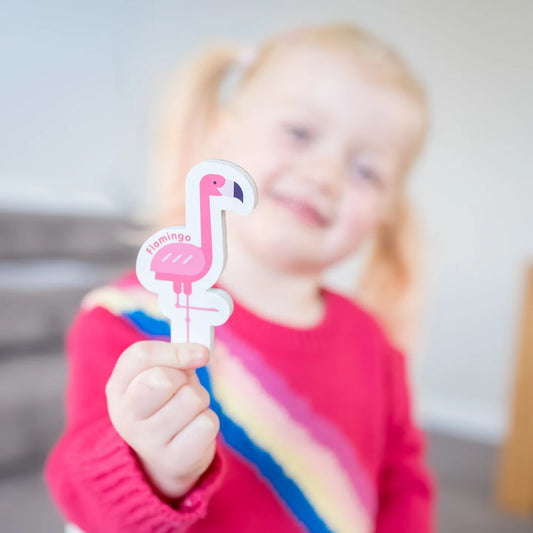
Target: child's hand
{"points": [[157, 405]]}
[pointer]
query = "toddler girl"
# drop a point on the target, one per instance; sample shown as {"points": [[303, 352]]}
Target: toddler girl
{"points": [[299, 420]]}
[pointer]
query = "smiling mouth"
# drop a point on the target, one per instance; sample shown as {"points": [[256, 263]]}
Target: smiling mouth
{"points": [[302, 210]]}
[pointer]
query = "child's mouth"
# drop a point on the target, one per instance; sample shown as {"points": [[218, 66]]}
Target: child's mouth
{"points": [[304, 211]]}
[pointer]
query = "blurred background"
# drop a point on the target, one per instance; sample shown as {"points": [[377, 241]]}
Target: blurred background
{"points": [[79, 83]]}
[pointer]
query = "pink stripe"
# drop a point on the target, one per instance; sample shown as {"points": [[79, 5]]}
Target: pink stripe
{"points": [[320, 428], [317, 471], [126, 283]]}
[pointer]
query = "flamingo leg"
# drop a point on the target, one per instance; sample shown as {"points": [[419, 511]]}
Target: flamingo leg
{"points": [[188, 318], [177, 290], [197, 308], [187, 289], [179, 306]]}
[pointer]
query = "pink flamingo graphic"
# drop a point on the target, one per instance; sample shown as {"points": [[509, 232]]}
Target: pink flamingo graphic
{"points": [[184, 263]]}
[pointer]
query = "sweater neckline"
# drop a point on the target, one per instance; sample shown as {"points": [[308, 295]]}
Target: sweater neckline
{"points": [[260, 330]]}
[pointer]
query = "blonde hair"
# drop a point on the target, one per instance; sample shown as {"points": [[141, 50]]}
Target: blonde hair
{"points": [[389, 285]]}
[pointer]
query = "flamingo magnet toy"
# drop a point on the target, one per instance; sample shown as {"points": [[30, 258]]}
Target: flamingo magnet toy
{"points": [[189, 259]]}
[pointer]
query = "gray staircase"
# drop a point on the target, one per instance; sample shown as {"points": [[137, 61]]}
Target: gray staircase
{"points": [[47, 263]]}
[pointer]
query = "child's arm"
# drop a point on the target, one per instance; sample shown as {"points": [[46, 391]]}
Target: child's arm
{"points": [[406, 487], [94, 476]]}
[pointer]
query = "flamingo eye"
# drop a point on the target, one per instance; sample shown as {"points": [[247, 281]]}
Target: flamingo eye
{"points": [[214, 183]]}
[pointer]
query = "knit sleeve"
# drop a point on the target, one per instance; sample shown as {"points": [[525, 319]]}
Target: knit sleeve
{"points": [[94, 477], [406, 490]]}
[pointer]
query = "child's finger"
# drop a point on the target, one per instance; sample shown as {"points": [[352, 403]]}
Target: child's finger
{"points": [[188, 402], [192, 375], [190, 444], [146, 354], [152, 389]]}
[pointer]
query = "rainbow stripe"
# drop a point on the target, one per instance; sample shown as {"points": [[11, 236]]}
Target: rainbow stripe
{"points": [[307, 461]]}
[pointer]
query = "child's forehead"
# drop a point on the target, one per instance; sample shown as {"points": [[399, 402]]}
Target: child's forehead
{"points": [[322, 80], [315, 73], [317, 63], [332, 89]]}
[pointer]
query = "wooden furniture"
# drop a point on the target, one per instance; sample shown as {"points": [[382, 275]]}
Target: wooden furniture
{"points": [[515, 484]]}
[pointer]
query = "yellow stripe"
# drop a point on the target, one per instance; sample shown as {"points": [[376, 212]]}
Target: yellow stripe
{"points": [[313, 467], [123, 300]]}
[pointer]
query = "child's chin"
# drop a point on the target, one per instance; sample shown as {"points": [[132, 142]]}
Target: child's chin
{"points": [[293, 253]]}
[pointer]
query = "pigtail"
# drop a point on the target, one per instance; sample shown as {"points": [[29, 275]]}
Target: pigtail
{"points": [[187, 113], [390, 284]]}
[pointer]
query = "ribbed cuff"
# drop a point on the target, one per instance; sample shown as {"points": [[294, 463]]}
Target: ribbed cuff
{"points": [[126, 498]]}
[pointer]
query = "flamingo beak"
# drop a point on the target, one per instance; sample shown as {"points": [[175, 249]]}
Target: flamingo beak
{"points": [[237, 191], [231, 189]]}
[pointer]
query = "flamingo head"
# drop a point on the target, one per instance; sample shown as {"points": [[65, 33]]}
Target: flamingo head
{"points": [[217, 185]]}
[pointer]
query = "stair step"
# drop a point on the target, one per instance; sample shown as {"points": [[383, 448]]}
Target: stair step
{"points": [[31, 407], [26, 235], [39, 298]]}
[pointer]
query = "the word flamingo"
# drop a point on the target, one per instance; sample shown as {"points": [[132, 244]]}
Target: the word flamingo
{"points": [[184, 263]]}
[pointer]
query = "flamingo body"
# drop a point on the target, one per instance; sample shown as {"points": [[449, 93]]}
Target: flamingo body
{"points": [[179, 260], [182, 263]]}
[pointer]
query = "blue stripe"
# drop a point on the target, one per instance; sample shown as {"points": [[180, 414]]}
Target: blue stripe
{"points": [[238, 439], [155, 327]]}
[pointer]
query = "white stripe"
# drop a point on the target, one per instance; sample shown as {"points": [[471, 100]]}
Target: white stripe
{"points": [[190, 257], [167, 256], [176, 258]]}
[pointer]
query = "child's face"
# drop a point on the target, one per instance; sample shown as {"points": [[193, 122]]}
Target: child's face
{"points": [[326, 146]]}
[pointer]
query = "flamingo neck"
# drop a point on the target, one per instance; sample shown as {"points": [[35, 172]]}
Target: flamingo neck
{"points": [[205, 225]]}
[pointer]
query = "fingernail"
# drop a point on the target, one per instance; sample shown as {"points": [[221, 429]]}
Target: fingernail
{"points": [[193, 355], [200, 354]]}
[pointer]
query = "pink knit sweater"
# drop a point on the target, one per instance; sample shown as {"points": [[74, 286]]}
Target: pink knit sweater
{"points": [[316, 429]]}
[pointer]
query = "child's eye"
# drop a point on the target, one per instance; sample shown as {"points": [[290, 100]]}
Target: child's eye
{"points": [[368, 173], [298, 132]]}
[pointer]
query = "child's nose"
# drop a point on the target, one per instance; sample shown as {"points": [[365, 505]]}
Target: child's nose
{"points": [[325, 172]]}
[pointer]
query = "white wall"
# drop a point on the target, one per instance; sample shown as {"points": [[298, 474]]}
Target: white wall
{"points": [[78, 80]]}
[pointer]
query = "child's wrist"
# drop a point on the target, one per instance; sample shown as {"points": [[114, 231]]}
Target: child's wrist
{"points": [[169, 487]]}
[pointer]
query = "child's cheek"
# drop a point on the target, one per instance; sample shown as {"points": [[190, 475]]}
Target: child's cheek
{"points": [[254, 152], [361, 212]]}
